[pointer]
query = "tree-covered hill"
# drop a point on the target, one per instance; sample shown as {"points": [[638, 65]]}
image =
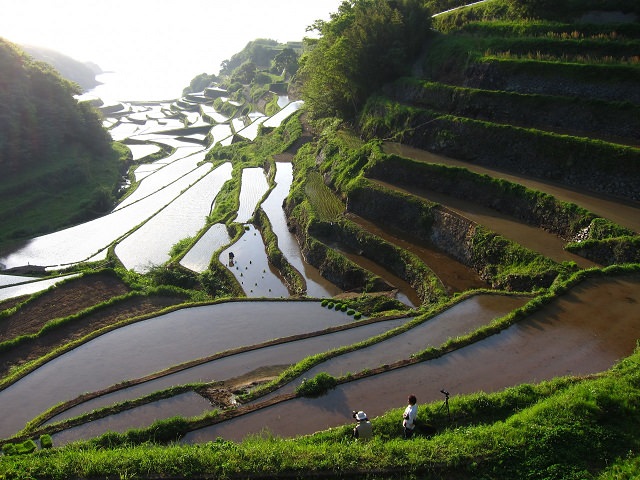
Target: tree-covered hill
{"points": [[52, 148], [82, 73]]}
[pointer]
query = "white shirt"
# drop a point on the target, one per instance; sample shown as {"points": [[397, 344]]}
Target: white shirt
{"points": [[409, 416]]}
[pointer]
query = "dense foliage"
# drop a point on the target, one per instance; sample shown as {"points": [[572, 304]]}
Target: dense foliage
{"points": [[365, 44], [53, 150], [40, 118]]}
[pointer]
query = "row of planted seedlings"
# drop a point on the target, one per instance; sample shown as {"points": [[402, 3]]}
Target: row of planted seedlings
{"points": [[169, 430]]}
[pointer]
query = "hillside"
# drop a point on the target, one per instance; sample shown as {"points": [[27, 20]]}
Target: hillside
{"points": [[54, 151], [489, 155], [82, 73]]}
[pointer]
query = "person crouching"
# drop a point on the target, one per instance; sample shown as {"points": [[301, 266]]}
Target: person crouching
{"points": [[363, 429]]}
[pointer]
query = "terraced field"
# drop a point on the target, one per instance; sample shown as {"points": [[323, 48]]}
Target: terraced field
{"points": [[498, 199]]}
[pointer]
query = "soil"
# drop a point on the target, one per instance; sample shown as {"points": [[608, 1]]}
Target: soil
{"points": [[69, 298]]}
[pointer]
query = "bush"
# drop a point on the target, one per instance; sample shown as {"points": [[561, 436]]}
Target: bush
{"points": [[45, 441], [26, 447], [317, 386]]}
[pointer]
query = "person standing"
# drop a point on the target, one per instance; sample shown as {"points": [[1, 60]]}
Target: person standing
{"points": [[363, 430], [409, 417]]}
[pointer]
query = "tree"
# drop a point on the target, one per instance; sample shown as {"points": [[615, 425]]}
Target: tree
{"points": [[286, 61], [245, 73], [364, 45]]}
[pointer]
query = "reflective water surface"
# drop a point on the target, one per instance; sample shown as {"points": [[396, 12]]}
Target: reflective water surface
{"points": [[583, 332], [155, 344]]}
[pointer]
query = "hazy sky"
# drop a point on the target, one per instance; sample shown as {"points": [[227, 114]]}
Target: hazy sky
{"points": [[158, 37]]}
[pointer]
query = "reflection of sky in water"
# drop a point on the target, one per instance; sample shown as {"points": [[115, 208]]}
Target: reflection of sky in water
{"points": [[254, 186], [182, 218], [80, 242], [141, 151], [14, 279], [182, 162], [251, 132], [29, 288], [215, 116], [251, 266], [222, 132], [199, 256], [279, 117], [287, 241], [155, 344]]}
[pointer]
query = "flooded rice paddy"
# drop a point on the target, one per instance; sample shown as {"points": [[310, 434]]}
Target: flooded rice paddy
{"points": [[583, 332], [155, 344], [317, 286], [274, 357], [183, 217], [250, 266]]}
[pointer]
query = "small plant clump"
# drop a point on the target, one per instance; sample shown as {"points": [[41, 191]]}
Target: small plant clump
{"points": [[316, 386]]}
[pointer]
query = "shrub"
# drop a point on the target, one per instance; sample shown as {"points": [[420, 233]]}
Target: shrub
{"points": [[28, 446], [317, 386], [45, 441]]}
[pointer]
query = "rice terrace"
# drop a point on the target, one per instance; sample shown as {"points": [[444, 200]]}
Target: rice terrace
{"points": [[429, 198]]}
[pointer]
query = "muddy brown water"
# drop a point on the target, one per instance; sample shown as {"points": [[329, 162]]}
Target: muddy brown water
{"points": [[462, 318], [239, 364], [154, 344], [405, 292], [317, 285], [624, 213], [528, 236], [455, 276], [585, 331]]}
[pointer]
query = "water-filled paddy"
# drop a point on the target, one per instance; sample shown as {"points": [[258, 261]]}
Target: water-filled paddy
{"points": [[223, 369], [317, 286], [254, 186], [29, 288], [199, 256], [155, 344], [251, 267], [183, 217], [583, 332]]}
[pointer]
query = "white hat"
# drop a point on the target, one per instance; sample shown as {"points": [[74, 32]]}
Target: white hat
{"points": [[361, 415]]}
